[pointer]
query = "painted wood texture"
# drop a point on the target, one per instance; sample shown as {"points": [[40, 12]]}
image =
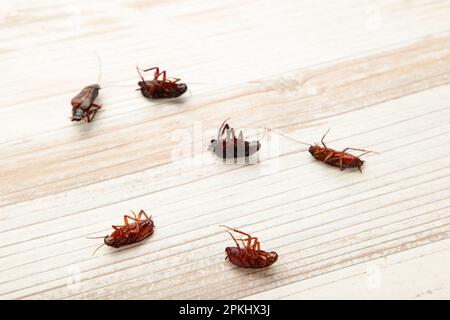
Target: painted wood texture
{"points": [[376, 72]]}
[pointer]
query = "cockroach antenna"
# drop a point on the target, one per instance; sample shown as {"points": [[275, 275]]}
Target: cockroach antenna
{"points": [[136, 228], [160, 88]]}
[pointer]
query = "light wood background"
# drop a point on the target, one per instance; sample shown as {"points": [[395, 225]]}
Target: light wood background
{"points": [[376, 72]]}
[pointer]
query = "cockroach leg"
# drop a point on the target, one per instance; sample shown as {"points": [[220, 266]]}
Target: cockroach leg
{"points": [[90, 114], [249, 244], [222, 129], [366, 151], [93, 253], [229, 146], [339, 159], [235, 230], [341, 164], [225, 128], [140, 214], [143, 82]]}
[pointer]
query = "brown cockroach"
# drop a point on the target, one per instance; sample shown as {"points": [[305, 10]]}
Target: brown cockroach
{"points": [[157, 89], [230, 146], [83, 105], [129, 233], [251, 255], [340, 159]]}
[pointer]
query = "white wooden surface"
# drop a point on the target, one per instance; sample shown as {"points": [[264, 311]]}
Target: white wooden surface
{"points": [[376, 72]]}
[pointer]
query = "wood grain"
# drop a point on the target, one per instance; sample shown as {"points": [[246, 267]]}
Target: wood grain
{"points": [[376, 72]]}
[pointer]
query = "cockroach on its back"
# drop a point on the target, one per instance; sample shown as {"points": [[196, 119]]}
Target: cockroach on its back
{"points": [[158, 89], [251, 255], [340, 159], [83, 105], [230, 146], [129, 233]]}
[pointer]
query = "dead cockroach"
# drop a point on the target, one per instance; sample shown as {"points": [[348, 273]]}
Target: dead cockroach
{"points": [[83, 105], [340, 159], [230, 146], [129, 233], [251, 255], [164, 88]]}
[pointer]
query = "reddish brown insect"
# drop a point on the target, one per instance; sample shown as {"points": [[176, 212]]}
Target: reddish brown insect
{"points": [[164, 88], [129, 233], [251, 255], [340, 159], [83, 106], [230, 146]]}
